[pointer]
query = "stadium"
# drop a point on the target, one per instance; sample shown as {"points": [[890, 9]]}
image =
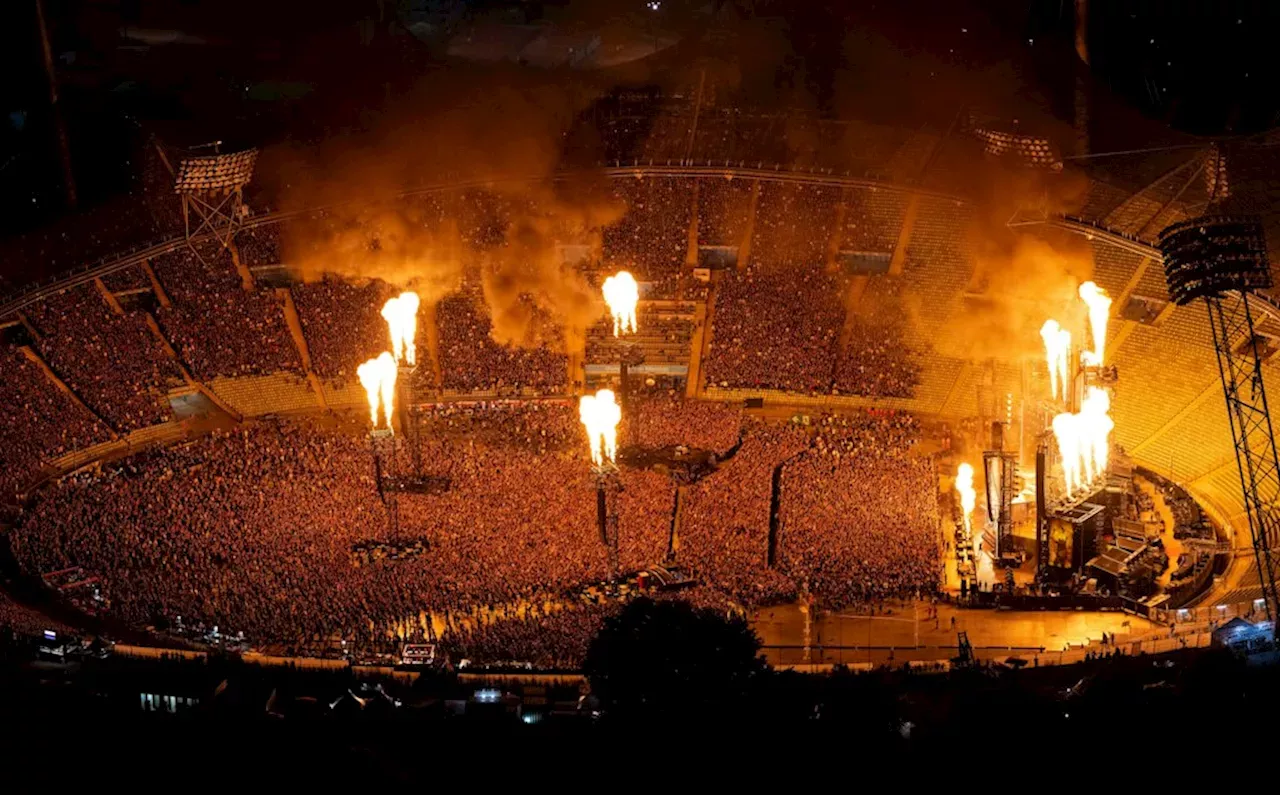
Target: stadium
{"points": [[188, 446]]}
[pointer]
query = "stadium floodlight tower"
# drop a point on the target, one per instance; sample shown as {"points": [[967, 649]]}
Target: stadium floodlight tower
{"points": [[1222, 260], [211, 189]]}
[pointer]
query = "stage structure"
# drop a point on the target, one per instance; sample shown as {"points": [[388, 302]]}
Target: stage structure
{"points": [[211, 189], [410, 427], [401, 314], [608, 491], [378, 377], [622, 295], [600, 415], [1222, 260], [1042, 510], [382, 442], [1001, 468]]}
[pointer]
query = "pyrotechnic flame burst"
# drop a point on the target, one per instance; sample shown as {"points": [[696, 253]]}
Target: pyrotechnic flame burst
{"points": [[622, 293], [1099, 304], [968, 496], [1057, 354], [401, 314], [1084, 439], [378, 377], [600, 413]]}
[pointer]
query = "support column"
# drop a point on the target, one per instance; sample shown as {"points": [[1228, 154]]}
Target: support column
{"points": [[691, 245], [108, 296], [161, 296], [904, 236], [294, 323], [693, 381], [246, 278], [61, 385], [186, 374], [744, 248]]}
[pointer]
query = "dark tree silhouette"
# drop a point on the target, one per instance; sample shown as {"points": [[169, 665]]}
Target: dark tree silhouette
{"points": [[660, 659]]}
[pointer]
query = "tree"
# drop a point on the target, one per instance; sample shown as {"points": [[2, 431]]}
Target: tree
{"points": [[658, 660]]}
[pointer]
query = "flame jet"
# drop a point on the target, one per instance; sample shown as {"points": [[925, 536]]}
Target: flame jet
{"points": [[1057, 354], [622, 294], [401, 314], [1099, 304], [968, 497], [1084, 439], [600, 413], [378, 377]]}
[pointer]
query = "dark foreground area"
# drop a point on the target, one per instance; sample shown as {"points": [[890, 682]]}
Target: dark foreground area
{"points": [[657, 672]]}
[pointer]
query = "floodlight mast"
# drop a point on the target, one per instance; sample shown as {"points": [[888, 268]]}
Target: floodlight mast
{"points": [[1222, 260]]}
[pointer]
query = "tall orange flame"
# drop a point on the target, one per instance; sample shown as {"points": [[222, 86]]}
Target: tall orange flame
{"points": [[378, 377], [1057, 354], [622, 294], [1084, 439], [601, 414], [401, 314], [968, 496], [1099, 304]]}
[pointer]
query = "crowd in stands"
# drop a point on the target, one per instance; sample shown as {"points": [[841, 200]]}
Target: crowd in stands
{"points": [[776, 328], [652, 238], [219, 328], [876, 362], [259, 245], [26, 621], [794, 225], [254, 530], [38, 422], [724, 526], [112, 362], [343, 324], [471, 360], [670, 422], [859, 515]]}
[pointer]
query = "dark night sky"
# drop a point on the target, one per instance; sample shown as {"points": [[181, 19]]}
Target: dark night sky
{"points": [[1204, 68]]}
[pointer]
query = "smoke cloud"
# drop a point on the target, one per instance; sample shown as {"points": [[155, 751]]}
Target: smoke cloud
{"points": [[500, 129]]}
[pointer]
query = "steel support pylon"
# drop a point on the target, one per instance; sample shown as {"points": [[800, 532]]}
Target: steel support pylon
{"points": [[1254, 440]]}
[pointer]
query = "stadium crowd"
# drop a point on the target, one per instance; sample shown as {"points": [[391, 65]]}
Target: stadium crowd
{"points": [[859, 515], [876, 362], [253, 530], [776, 328], [218, 328], [37, 423], [471, 360], [667, 421], [113, 362], [724, 528], [343, 324]]}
